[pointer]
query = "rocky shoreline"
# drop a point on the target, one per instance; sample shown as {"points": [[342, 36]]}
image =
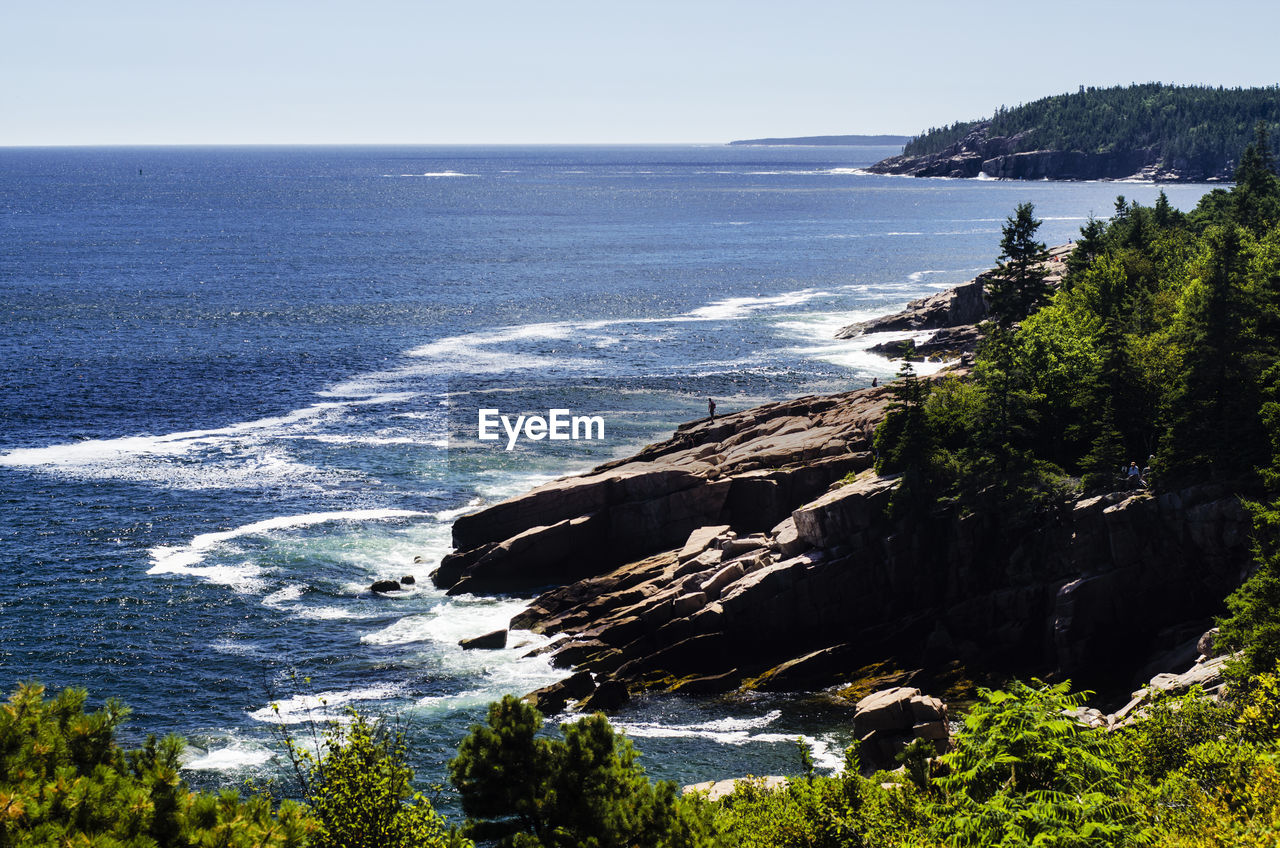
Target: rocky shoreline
{"points": [[979, 154], [952, 316], [755, 551]]}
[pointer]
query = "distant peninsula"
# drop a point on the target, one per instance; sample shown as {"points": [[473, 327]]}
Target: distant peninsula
{"points": [[1153, 131], [827, 141]]}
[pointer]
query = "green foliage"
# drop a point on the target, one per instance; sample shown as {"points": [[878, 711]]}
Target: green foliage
{"points": [[1161, 742], [1257, 195], [1253, 625], [845, 811], [358, 786], [64, 781], [1018, 283], [1259, 718], [1023, 773], [1197, 127], [585, 790]]}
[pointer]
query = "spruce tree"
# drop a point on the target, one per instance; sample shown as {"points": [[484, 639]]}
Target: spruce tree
{"points": [[1216, 431], [1257, 194], [1018, 283]]}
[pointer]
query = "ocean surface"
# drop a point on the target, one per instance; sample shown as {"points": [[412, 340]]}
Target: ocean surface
{"points": [[239, 386]]}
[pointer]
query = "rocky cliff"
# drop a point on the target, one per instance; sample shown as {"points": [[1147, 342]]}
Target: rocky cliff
{"points": [[1002, 157], [756, 550]]}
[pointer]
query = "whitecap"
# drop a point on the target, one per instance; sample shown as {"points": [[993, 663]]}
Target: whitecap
{"points": [[740, 307], [449, 622], [280, 597], [436, 174], [230, 758], [235, 456], [727, 731], [185, 559], [322, 706]]}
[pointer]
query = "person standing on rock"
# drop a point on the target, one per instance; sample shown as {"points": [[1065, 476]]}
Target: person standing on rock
{"points": [[711, 410]]}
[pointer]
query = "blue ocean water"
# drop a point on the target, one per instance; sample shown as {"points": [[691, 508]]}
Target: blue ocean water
{"points": [[232, 376]]}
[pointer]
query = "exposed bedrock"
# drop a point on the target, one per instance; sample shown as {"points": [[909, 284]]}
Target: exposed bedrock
{"points": [[952, 315], [838, 586], [980, 154], [747, 470]]}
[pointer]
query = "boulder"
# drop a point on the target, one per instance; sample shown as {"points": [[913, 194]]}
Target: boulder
{"points": [[608, 696], [787, 539], [1206, 675], [1206, 644], [488, 642], [407, 580], [888, 720], [743, 544], [888, 709], [381, 586], [701, 539], [552, 699]]}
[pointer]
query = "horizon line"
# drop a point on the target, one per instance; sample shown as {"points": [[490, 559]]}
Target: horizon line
{"points": [[153, 144]]}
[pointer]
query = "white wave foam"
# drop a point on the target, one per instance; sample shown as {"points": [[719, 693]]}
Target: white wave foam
{"points": [[737, 732], [280, 597], [448, 515], [324, 613], [500, 676], [235, 456], [435, 174], [186, 559], [740, 307], [373, 441], [726, 731], [455, 619], [229, 759], [322, 706], [917, 277]]}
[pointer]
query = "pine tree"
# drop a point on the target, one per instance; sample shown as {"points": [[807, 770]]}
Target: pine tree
{"points": [[1257, 194], [1018, 283]]}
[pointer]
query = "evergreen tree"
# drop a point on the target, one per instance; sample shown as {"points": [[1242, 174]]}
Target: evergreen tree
{"points": [[1257, 194], [903, 442], [1216, 432], [586, 790], [1018, 283]]}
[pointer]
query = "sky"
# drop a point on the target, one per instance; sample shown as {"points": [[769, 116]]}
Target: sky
{"points": [[563, 71]]}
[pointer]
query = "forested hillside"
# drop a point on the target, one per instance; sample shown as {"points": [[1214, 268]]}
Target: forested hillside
{"points": [[1189, 132]]}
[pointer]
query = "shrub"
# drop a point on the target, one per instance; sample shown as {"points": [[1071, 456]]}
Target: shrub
{"points": [[1022, 772], [359, 787], [64, 781]]}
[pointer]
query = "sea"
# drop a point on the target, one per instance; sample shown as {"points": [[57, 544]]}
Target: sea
{"points": [[231, 381]]}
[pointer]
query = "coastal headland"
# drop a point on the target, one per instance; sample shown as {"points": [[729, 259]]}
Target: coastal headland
{"points": [[756, 550]]}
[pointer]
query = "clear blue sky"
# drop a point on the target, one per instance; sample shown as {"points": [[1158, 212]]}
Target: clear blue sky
{"points": [[550, 71]]}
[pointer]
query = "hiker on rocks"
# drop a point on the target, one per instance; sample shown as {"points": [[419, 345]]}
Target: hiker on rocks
{"points": [[711, 409], [1134, 475]]}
